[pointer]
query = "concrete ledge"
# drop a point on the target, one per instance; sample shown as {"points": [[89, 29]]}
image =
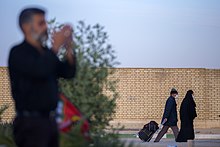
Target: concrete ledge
{"points": [[207, 136]]}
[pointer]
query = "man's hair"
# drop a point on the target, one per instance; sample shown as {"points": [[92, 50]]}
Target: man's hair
{"points": [[173, 91], [27, 14]]}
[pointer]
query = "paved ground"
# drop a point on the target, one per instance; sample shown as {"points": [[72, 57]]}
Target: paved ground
{"points": [[171, 143], [204, 138], [197, 131]]}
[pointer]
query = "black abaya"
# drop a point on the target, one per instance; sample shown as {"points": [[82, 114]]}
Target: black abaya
{"points": [[187, 115]]}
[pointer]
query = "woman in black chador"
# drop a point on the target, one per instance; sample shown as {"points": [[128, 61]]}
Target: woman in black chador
{"points": [[187, 115]]}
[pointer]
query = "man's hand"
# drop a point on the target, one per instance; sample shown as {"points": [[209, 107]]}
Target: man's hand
{"points": [[69, 51], [70, 45], [165, 120], [61, 37]]}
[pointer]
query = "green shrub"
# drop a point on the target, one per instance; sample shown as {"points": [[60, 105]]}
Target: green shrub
{"points": [[6, 136], [2, 110], [92, 90]]}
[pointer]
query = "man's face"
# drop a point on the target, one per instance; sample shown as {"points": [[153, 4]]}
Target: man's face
{"points": [[38, 28], [175, 95]]}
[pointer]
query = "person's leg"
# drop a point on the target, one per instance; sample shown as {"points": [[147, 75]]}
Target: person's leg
{"points": [[17, 132], [161, 133], [31, 132], [54, 134], [175, 130]]}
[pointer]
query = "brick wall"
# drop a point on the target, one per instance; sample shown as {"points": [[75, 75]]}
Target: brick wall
{"points": [[143, 93], [5, 95]]}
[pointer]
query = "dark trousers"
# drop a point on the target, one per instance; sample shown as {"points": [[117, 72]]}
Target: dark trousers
{"points": [[35, 132], [175, 130]]}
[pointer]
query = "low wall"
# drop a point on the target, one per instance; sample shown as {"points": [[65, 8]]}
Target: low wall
{"points": [[144, 91]]}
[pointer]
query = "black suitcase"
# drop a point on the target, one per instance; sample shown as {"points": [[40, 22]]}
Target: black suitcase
{"points": [[147, 132]]}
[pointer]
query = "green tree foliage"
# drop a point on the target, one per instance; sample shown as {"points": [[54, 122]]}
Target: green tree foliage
{"points": [[95, 57], [91, 90], [6, 130], [2, 110]]}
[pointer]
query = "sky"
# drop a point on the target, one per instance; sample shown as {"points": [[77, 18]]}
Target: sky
{"points": [[144, 33]]}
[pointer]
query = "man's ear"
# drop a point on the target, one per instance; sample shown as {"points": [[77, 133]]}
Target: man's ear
{"points": [[26, 27]]}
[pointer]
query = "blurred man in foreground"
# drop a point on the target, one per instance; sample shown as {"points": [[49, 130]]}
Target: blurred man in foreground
{"points": [[34, 70]]}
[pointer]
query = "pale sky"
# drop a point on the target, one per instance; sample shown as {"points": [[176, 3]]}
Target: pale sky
{"points": [[144, 33]]}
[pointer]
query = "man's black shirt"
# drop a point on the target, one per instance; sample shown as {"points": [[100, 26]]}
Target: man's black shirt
{"points": [[34, 77]]}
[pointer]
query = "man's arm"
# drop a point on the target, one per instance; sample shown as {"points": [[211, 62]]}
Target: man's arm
{"points": [[168, 109], [68, 68]]}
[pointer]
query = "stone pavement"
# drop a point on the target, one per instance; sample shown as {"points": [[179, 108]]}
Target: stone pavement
{"points": [[197, 131], [212, 133], [171, 143], [204, 138]]}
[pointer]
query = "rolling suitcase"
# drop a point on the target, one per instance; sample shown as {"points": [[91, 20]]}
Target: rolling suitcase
{"points": [[147, 132]]}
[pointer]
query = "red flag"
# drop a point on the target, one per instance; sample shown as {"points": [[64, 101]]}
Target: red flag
{"points": [[68, 115]]}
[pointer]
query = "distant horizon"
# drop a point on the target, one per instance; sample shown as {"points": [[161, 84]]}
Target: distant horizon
{"points": [[143, 33]]}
